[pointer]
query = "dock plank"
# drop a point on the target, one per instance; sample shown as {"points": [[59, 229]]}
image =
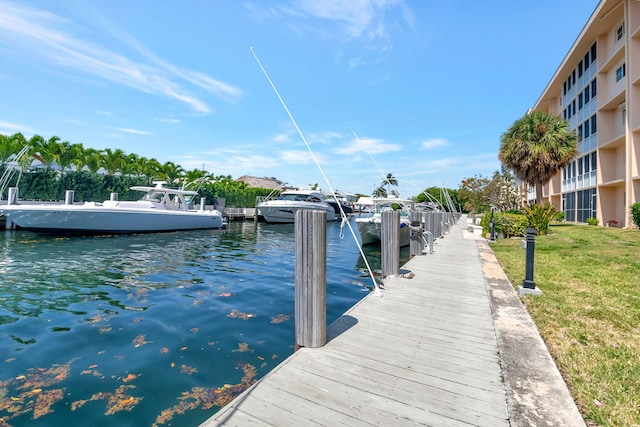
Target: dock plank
{"points": [[423, 354]]}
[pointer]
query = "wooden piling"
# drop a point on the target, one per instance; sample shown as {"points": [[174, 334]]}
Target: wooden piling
{"points": [[416, 244], [12, 198], [311, 278], [68, 197], [390, 243]]}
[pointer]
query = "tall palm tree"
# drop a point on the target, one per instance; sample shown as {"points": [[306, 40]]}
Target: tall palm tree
{"points": [[536, 147], [389, 180], [380, 192]]}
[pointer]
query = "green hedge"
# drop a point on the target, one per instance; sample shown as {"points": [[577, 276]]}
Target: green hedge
{"points": [[509, 224]]}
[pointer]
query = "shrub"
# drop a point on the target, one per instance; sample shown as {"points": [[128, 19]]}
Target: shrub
{"points": [[509, 224], [592, 221], [635, 214], [560, 216], [539, 217]]}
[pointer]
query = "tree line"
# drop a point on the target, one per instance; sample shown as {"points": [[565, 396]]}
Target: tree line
{"points": [[51, 166]]}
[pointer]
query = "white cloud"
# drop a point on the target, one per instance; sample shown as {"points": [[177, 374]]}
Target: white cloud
{"points": [[282, 137], [44, 37], [434, 143], [8, 128], [368, 145], [296, 157], [366, 23], [134, 131]]}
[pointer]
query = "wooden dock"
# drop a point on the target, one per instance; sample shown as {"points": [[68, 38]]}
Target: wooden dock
{"points": [[425, 353]]}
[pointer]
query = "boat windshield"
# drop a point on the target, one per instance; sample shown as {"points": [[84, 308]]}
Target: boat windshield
{"points": [[298, 198], [153, 196]]}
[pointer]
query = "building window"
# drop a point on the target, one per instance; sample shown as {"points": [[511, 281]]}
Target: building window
{"points": [[586, 94], [586, 129], [586, 61], [569, 205], [593, 124], [579, 69], [620, 32], [593, 53], [620, 72], [593, 88], [586, 204]]}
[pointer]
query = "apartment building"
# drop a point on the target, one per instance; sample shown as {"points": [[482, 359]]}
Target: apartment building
{"points": [[596, 89]]}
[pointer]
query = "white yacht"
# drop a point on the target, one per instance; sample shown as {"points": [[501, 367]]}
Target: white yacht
{"points": [[369, 226], [283, 208], [160, 209]]}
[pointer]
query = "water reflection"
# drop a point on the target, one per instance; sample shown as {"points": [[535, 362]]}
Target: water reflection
{"points": [[109, 316]]}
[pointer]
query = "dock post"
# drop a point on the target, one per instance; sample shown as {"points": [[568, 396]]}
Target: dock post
{"points": [[416, 242], [68, 197], [113, 197], [390, 243], [12, 196], [311, 278], [202, 203]]}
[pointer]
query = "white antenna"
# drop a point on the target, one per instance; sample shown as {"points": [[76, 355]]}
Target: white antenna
{"points": [[377, 291]]}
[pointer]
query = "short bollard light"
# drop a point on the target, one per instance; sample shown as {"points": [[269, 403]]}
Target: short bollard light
{"points": [[528, 285], [492, 223]]}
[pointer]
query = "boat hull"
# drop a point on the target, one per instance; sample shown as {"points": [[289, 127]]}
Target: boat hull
{"points": [[83, 219], [370, 232], [279, 212]]}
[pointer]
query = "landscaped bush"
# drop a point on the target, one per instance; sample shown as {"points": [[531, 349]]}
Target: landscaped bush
{"points": [[592, 221], [509, 224], [635, 214], [539, 217]]}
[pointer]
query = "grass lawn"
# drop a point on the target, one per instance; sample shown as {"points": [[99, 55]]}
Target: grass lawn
{"points": [[588, 314]]}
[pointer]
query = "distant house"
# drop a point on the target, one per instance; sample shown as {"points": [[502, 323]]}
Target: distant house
{"points": [[256, 182]]}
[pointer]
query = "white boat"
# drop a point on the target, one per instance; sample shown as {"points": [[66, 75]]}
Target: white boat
{"points": [[160, 209], [369, 226], [283, 209]]}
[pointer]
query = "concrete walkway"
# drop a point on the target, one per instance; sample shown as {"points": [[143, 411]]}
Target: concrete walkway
{"points": [[448, 344]]}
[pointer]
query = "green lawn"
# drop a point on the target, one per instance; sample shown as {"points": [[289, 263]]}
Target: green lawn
{"points": [[588, 314]]}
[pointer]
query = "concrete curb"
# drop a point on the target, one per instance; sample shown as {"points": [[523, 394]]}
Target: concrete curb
{"points": [[536, 392]]}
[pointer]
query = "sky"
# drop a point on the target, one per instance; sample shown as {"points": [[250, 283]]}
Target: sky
{"points": [[331, 92]]}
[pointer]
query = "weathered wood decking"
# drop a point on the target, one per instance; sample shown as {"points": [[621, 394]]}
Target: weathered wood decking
{"points": [[426, 353]]}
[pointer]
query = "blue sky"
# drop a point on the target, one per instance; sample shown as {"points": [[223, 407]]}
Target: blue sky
{"points": [[421, 89]]}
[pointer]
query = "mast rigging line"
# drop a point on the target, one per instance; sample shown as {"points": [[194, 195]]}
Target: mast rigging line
{"points": [[377, 291]]}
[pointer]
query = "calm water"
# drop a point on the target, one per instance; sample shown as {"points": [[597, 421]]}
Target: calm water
{"points": [[152, 329]]}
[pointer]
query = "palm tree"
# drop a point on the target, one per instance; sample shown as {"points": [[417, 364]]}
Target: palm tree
{"points": [[77, 154], [65, 155], [113, 161], [92, 159], [10, 146], [172, 173], [536, 147], [388, 180], [380, 192]]}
